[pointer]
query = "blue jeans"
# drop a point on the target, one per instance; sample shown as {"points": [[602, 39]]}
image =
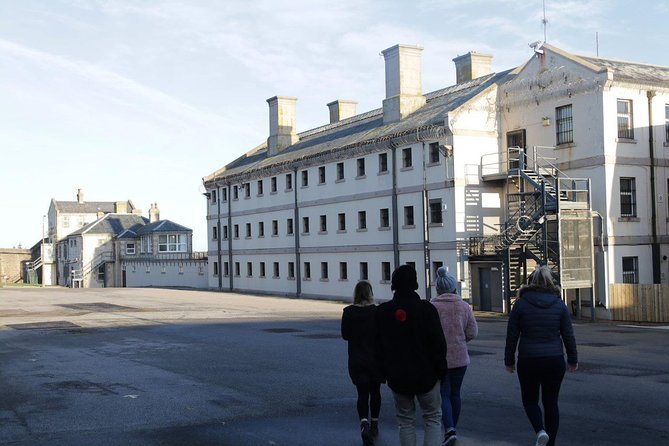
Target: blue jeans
{"points": [[405, 409], [450, 397]]}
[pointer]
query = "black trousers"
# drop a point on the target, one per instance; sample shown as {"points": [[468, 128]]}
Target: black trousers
{"points": [[369, 397], [542, 377]]}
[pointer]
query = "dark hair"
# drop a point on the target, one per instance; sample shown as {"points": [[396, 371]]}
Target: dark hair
{"points": [[404, 278], [362, 293]]}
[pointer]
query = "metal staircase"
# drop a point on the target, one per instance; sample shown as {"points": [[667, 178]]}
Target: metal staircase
{"points": [[536, 192], [78, 275]]}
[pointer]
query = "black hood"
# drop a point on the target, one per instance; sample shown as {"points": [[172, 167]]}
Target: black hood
{"points": [[539, 297]]}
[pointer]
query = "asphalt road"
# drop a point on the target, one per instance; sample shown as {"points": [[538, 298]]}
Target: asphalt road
{"points": [[170, 367]]}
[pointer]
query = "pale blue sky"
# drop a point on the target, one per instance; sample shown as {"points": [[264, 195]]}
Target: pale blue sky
{"points": [[141, 99]]}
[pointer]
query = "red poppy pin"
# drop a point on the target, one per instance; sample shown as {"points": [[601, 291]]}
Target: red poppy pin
{"points": [[400, 315]]}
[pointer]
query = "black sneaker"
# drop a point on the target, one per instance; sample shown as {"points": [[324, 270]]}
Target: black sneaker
{"points": [[449, 438], [366, 433]]}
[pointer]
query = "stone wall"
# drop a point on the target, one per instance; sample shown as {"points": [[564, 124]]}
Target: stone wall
{"points": [[11, 264]]}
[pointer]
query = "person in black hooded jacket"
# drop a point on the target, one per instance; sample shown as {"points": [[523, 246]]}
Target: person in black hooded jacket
{"points": [[411, 350], [542, 323]]}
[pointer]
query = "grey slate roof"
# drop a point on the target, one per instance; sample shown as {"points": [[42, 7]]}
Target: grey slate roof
{"points": [[161, 226], [89, 207], [635, 73], [114, 224], [362, 129]]}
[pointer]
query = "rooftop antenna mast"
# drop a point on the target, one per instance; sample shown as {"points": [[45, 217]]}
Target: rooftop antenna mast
{"points": [[544, 20]]}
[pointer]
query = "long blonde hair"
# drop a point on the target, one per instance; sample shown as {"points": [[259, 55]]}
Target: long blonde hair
{"points": [[362, 294]]}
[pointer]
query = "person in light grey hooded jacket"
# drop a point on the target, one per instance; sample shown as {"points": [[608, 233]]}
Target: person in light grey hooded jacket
{"points": [[459, 326]]}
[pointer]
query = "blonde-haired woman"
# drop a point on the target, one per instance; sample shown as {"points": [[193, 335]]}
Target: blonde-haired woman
{"points": [[358, 327], [542, 323]]}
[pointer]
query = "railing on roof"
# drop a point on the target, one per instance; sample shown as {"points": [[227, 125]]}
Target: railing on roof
{"points": [[195, 255]]}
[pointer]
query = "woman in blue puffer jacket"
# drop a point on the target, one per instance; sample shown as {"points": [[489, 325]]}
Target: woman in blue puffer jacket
{"points": [[542, 323]]}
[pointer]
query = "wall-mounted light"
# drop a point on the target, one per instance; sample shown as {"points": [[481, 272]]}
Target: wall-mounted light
{"points": [[546, 121]]}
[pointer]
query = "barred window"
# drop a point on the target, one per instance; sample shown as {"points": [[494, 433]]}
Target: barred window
{"points": [[630, 270], [383, 162], [627, 197], [408, 216], [434, 152], [564, 125], [406, 158], [361, 167], [384, 218], [625, 121], [385, 271], [340, 171], [364, 271], [435, 211], [362, 220]]}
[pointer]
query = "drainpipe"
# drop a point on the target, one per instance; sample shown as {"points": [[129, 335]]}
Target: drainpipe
{"points": [[426, 233], [396, 248], [296, 231], [655, 247], [230, 275], [218, 238]]}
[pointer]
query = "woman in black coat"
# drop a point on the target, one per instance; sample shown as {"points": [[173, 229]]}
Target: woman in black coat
{"points": [[542, 323], [358, 327]]}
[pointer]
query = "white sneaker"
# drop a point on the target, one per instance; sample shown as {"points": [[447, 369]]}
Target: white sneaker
{"points": [[542, 438]]}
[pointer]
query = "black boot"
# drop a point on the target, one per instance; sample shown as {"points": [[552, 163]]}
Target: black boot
{"points": [[366, 433], [374, 428]]}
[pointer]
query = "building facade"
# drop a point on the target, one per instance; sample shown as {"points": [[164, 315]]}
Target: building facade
{"points": [[430, 178]]}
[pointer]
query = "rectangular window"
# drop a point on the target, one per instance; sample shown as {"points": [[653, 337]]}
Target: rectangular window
{"points": [[321, 175], [564, 125], [235, 192], [361, 167], [260, 186], [435, 267], [225, 232], [385, 271], [384, 218], [408, 216], [434, 152], [236, 269], [305, 225], [343, 271], [248, 230], [340, 171], [261, 229], [406, 158], [247, 190], [215, 268], [66, 221], [364, 271], [130, 248], [305, 178], [324, 270], [289, 226], [289, 181], [362, 220], [324, 223], [236, 231], [291, 270], [214, 233], [435, 211], [625, 121], [213, 196], [249, 269], [262, 269], [272, 185], [276, 270], [383, 162], [172, 243], [307, 271], [630, 270], [275, 227], [226, 269], [627, 197], [225, 194], [341, 222]]}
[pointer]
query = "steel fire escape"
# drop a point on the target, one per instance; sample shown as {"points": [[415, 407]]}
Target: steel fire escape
{"points": [[536, 193]]}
